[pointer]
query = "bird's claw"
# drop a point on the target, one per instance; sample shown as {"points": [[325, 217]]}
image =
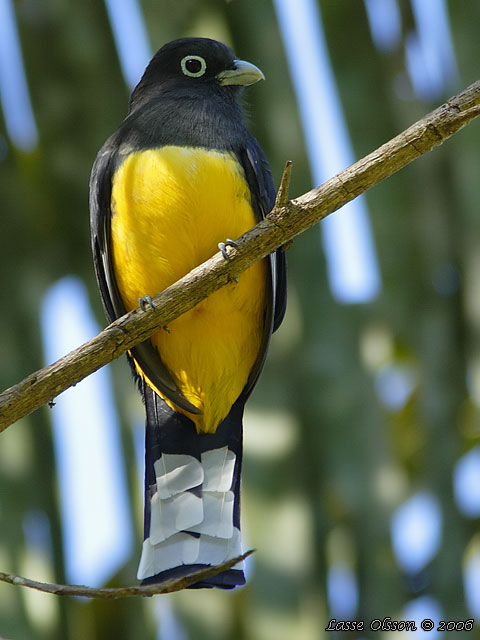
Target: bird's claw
{"points": [[144, 301], [223, 247]]}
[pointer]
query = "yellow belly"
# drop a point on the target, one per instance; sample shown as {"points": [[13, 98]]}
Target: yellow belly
{"points": [[170, 208]]}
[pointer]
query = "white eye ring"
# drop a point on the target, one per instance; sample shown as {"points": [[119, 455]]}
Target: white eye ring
{"points": [[193, 74]]}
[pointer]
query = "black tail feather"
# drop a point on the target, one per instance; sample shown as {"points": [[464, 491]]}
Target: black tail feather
{"points": [[169, 432]]}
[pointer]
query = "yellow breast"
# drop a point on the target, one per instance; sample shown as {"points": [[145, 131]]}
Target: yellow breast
{"points": [[170, 209]]}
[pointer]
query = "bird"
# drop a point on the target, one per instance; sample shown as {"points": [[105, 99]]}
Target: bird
{"points": [[181, 178]]}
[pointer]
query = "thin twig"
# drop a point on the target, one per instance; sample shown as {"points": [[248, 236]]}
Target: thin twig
{"points": [[122, 592], [283, 189], [278, 229]]}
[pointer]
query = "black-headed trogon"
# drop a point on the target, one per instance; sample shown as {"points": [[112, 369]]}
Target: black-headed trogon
{"points": [[181, 175]]}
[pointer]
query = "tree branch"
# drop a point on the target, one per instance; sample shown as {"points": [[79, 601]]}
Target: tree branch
{"points": [[122, 592], [288, 219]]}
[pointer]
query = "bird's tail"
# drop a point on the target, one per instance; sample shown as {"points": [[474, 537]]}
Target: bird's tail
{"points": [[192, 496]]}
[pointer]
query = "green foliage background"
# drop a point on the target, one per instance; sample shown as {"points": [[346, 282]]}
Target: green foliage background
{"points": [[326, 462]]}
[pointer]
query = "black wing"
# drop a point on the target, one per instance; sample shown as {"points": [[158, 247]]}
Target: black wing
{"points": [[108, 159], [260, 182]]}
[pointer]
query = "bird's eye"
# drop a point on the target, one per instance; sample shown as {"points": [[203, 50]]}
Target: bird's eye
{"points": [[193, 66]]}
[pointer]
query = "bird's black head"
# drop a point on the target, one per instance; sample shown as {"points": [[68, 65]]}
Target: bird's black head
{"points": [[190, 65]]}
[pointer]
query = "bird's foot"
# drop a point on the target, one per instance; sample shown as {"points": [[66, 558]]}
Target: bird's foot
{"points": [[223, 247], [144, 301]]}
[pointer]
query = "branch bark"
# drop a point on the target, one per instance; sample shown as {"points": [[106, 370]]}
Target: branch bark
{"points": [[287, 220]]}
